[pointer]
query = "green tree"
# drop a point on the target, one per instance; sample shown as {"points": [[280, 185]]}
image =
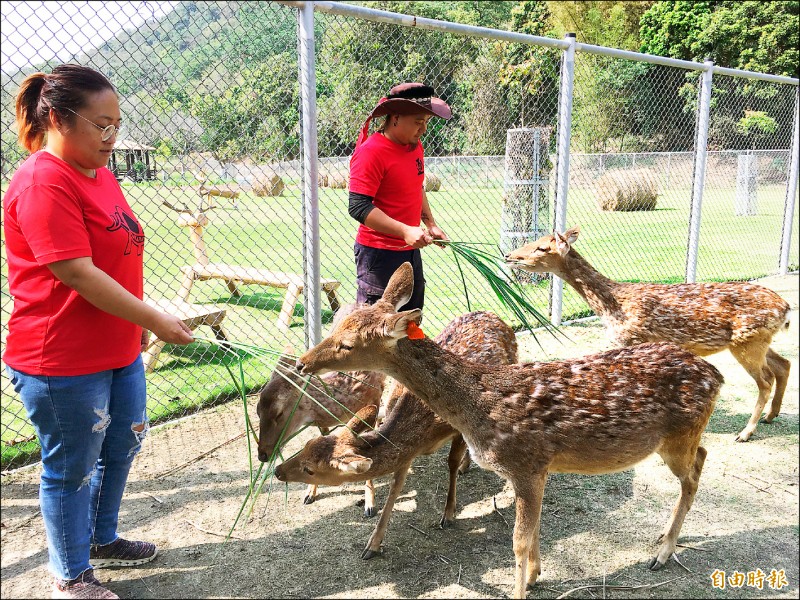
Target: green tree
{"points": [[600, 22], [758, 36]]}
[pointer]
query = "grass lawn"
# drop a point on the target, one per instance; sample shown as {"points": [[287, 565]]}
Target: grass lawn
{"points": [[267, 232]]}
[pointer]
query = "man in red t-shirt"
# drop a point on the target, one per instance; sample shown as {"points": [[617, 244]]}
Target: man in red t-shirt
{"points": [[387, 195]]}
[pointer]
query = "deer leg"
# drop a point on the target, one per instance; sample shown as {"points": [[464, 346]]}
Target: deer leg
{"points": [[753, 357], [311, 490], [780, 368], [534, 558], [369, 499], [466, 461], [529, 505], [687, 464], [458, 448], [375, 540], [311, 494]]}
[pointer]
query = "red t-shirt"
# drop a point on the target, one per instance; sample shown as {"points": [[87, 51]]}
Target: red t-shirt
{"points": [[393, 175], [54, 212]]}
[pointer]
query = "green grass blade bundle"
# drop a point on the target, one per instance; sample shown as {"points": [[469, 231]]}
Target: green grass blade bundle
{"points": [[260, 478], [506, 287]]}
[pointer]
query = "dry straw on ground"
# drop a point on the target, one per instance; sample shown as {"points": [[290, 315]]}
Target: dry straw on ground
{"points": [[627, 189]]}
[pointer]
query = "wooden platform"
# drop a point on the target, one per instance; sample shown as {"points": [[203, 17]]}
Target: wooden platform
{"points": [[233, 275], [193, 315]]}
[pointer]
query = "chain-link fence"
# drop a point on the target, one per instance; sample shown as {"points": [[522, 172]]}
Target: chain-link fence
{"points": [[211, 162]]}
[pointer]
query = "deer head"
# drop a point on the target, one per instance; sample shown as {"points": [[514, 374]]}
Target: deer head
{"points": [[332, 459], [275, 405], [359, 338], [546, 254]]}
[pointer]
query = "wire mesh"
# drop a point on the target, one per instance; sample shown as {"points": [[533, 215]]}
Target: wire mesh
{"points": [[211, 163]]}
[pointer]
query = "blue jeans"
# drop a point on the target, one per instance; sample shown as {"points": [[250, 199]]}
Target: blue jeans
{"points": [[90, 428]]}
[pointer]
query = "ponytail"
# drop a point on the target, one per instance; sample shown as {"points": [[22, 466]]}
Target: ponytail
{"points": [[64, 90], [31, 116]]}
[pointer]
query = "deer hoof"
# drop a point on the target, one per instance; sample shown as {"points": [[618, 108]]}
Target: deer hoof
{"points": [[309, 500], [654, 565], [768, 419], [369, 512], [445, 523], [743, 437], [368, 554]]}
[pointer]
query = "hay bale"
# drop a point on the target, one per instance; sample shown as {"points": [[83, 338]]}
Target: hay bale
{"points": [[627, 189], [337, 181], [432, 183], [267, 183]]}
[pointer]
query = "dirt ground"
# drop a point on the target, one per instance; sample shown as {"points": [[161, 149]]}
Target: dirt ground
{"points": [[190, 482]]}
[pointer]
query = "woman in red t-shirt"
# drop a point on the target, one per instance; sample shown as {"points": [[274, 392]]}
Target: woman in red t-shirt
{"points": [[78, 326], [387, 194]]}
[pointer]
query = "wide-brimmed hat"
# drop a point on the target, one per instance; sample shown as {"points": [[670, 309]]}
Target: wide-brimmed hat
{"points": [[407, 99]]}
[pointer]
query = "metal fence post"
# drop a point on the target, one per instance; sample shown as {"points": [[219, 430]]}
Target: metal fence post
{"points": [[308, 110], [791, 191], [698, 183], [562, 181]]}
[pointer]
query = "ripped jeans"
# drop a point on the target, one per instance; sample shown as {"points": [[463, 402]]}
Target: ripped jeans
{"points": [[90, 428]]}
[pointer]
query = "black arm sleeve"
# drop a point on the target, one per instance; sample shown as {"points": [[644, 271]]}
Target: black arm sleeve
{"points": [[360, 205]]}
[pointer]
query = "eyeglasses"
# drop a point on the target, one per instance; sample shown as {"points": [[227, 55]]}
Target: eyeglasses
{"points": [[105, 132]]}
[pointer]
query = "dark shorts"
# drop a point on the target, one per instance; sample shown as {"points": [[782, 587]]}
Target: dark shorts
{"points": [[374, 268]]}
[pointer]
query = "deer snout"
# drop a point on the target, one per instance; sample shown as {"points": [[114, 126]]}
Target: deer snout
{"points": [[263, 456], [300, 368], [280, 474]]}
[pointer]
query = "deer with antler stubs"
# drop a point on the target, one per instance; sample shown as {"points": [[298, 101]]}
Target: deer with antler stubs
{"points": [[597, 414], [703, 318], [410, 429]]}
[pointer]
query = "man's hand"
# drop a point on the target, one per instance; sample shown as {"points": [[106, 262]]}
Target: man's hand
{"points": [[436, 233], [416, 237]]}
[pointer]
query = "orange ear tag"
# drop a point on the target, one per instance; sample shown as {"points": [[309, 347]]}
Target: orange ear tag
{"points": [[414, 332]]}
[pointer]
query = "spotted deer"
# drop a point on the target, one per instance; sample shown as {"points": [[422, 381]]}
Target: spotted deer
{"points": [[410, 429], [703, 318], [352, 391], [591, 415]]}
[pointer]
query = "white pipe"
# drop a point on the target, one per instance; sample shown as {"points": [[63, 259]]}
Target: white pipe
{"points": [[791, 193], [698, 183], [384, 16], [308, 95], [562, 182]]}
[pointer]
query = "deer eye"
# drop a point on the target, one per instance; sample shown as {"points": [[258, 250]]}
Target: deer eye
{"points": [[542, 250], [308, 471], [343, 346]]}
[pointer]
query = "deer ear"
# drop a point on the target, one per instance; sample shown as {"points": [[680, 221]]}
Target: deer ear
{"points": [[571, 234], [353, 464], [400, 287], [364, 419], [396, 326], [563, 243]]}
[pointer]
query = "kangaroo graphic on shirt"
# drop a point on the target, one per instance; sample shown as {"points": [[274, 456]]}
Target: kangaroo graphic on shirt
{"points": [[124, 221]]}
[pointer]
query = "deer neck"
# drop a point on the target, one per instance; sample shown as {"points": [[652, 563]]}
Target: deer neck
{"points": [[401, 432], [447, 383], [594, 287]]}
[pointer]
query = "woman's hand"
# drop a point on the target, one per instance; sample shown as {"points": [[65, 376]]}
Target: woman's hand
{"points": [[145, 339], [172, 330]]}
